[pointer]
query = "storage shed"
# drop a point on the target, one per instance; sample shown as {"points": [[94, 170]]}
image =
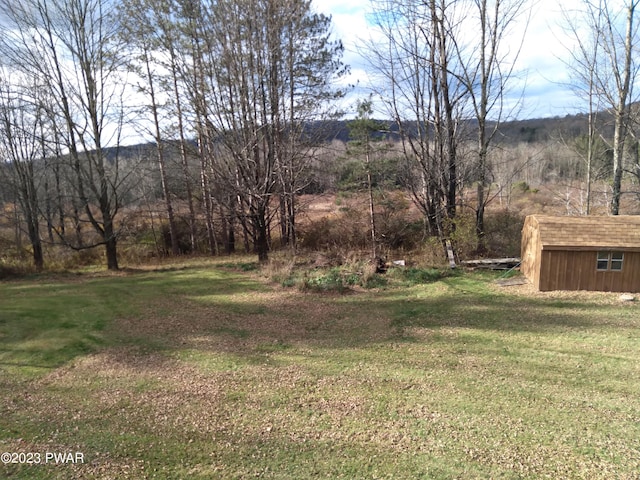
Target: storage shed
{"points": [[582, 253]]}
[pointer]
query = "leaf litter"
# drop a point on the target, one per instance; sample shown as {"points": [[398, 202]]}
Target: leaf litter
{"points": [[230, 379]]}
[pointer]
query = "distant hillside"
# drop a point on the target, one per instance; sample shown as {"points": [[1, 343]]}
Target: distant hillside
{"points": [[554, 128], [510, 133]]}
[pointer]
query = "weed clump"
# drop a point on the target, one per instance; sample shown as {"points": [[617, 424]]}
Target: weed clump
{"points": [[329, 281], [309, 277]]}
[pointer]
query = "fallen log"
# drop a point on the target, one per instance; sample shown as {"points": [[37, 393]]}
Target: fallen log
{"points": [[493, 263]]}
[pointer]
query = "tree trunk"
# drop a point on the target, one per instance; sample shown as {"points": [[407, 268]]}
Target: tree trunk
{"points": [[372, 217], [110, 243], [261, 238], [622, 113], [112, 254], [183, 153], [175, 248], [38, 257]]}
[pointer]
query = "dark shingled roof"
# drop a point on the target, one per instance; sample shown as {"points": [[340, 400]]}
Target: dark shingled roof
{"points": [[579, 233]]}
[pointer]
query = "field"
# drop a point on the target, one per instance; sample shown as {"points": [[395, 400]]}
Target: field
{"points": [[203, 370]]}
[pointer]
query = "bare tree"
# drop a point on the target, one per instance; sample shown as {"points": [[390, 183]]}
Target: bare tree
{"points": [[172, 57], [140, 32], [73, 45], [605, 67], [20, 149], [259, 70], [362, 131], [305, 63], [414, 67], [583, 69], [487, 67], [624, 71]]}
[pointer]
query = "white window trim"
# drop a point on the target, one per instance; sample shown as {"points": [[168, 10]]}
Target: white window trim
{"points": [[607, 256]]}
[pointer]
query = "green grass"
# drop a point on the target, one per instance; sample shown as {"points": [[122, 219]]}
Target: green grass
{"points": [[203, 372]]}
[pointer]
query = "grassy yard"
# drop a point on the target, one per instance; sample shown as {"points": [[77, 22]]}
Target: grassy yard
{"points": [[201, 371]]}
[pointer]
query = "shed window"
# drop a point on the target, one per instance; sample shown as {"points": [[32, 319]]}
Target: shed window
{"points": [[610, 261], [616, 260]]}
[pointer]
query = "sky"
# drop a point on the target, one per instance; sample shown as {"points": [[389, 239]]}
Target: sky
{"points": [[544, 76]]}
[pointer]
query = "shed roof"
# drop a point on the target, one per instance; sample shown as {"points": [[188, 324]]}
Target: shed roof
{"points": [[620, 231]]}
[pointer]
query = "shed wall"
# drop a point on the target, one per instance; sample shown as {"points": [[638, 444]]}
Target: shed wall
{"points": [[576, 270]]}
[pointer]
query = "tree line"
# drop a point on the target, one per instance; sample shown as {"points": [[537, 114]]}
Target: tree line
{"points": [[239, 77], [227, 91]]}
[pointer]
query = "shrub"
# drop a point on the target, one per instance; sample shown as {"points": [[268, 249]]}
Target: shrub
{"points": [[280, 269], [352, 279], [432, 253], [397, 228], [14, 269], [136, 253], [503, 233], [59, 257], [329, 281], [521, 187], [463, 235], [375, 281], [350, 229]]}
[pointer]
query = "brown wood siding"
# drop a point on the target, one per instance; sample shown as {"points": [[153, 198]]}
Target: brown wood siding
{"points": [[576, 270], [559, 253], [530, 251], [546, 280]]}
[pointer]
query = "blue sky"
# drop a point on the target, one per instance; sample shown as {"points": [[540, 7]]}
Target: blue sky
{"points": [[544, 74]]}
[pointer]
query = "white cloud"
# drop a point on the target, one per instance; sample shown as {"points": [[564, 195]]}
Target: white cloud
{"points": [[544, 76], [349, 24]]}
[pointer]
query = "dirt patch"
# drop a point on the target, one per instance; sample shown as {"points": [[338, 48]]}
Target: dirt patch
{"points": [[510, 282], [527, 289], [248, 321]]}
